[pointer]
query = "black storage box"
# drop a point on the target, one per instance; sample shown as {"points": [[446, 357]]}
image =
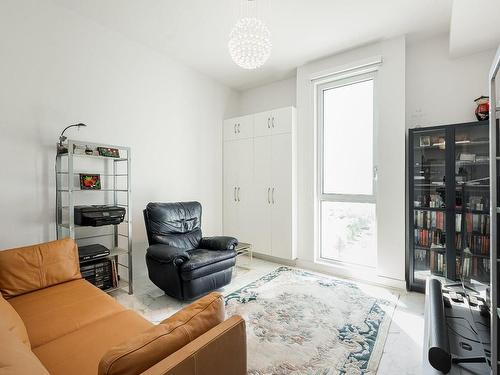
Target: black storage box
{"points": [[96, 216], [99, 273], [92, 252]]}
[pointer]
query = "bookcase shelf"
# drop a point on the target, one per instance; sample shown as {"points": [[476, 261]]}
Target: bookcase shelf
{"points": [[451, 174], [106, 271], [429, 208]]}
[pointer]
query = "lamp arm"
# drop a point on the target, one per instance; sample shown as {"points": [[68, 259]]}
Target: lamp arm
{"points": [[62, 138]]}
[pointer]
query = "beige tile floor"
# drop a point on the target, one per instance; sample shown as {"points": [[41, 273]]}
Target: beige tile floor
{"points": [[403, 348]]}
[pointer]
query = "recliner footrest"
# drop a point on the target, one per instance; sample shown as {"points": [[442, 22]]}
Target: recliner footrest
{"points": [[202, 257], [209, 269]]}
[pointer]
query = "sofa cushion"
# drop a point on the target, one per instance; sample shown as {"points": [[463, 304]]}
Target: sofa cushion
{"points": [[42, 265], [79, 352], [52, 312], [143, 351], [16, 358], [12, 322]]}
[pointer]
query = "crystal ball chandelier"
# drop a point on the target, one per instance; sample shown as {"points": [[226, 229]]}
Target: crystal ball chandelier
{"points": [[250, 43]]}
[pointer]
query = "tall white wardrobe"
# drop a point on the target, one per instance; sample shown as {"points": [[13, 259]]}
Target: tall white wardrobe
{"points": [[260, 182]]}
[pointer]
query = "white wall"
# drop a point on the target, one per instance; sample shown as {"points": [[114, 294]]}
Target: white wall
{"points": [[57, 69], [421, 86], [390, 151], [440, 89], [275, 95]]}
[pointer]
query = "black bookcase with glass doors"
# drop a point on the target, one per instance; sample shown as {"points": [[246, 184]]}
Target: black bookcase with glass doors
{"points": [[448, 203]]}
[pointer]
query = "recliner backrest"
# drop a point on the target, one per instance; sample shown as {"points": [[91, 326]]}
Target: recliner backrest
{"points": [[174, 224]]}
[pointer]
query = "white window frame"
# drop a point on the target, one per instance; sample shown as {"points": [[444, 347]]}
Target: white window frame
{"points": [[322, 86]]}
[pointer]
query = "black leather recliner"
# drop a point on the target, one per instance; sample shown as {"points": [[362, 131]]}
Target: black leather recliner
{"points": [[180, 261]]}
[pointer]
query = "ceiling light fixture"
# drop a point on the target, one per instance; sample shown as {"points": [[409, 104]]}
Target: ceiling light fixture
{"points": [[250, 39]]}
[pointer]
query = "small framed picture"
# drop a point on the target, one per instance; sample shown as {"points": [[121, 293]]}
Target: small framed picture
{"points": [[90, 181], [109, 152], [425, 141]]}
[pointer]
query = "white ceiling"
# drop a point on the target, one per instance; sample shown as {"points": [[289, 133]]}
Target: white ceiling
{"points": [[475, 26], [195, 32]]}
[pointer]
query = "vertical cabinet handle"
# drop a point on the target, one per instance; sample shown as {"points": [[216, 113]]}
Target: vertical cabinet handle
{"points": [[239, 131], [268, 123], [272, 196], [234, 128], [238, 193], [268, 198], [234, 193], [273, 121]]}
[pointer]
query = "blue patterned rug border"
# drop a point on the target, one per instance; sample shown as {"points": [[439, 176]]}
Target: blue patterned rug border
{"points": [[375, 344]]}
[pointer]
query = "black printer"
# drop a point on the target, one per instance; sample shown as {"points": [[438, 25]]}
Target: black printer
{"points": [[98, 215]]}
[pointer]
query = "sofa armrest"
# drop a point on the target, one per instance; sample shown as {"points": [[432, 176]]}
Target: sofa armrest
{"points": [[26, 269], [218, 243], [222, 351], [167, 254]]}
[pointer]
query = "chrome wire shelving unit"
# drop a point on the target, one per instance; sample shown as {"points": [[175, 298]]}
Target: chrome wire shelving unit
{"points": [[495, 212], [115, 173]]}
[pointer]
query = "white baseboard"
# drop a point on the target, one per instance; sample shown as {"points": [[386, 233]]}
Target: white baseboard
{"points": [[347, 272], [353, 273], [269, 258]]}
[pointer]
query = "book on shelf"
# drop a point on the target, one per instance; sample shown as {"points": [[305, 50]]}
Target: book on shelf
{"points": [[437, 262], [472, 267], [429, 237], [429, 219], [477, 223], [458, 223]]}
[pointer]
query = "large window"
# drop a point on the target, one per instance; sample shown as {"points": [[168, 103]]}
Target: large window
{"points": [[347, 171]]}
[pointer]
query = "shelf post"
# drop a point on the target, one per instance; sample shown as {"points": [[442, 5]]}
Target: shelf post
{"points": [[71, 203], [58, 199], [129, 222], [493, 214]]}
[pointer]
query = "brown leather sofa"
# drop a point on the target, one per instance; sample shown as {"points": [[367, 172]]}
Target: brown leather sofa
{"points": [[54, 322]]}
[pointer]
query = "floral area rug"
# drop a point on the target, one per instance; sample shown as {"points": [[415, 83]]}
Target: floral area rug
{"points": [[303, 323]]}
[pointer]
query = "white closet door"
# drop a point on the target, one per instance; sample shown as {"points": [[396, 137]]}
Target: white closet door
{"points": [[244, 127], [230, 129], [231, 221], [261, 207], [281, 196], [238, 128], [262, 123], [244, 188], [281, 120]]}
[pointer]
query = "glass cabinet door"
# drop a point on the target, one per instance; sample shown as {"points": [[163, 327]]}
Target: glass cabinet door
{"points": [[472, 218], [428, 206]]}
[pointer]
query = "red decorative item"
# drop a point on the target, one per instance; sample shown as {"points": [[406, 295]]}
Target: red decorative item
{"points": [[90, 181], [483, 108]]}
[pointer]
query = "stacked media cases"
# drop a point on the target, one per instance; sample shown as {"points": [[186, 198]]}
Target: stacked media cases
{"points": [[102, 273]]}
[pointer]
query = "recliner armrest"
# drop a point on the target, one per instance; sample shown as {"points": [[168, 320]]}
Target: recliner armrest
{"points": [[167, 254], [218, 243]]}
